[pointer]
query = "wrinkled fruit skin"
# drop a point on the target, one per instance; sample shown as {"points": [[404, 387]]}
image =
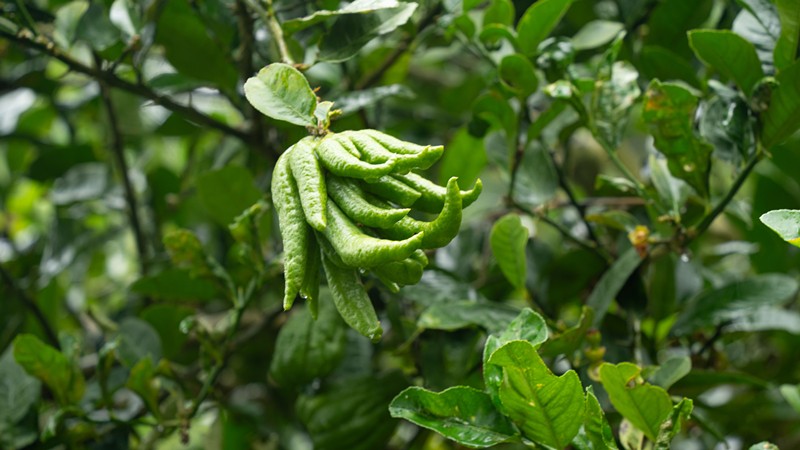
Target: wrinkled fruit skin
{"points": [[344, 199]]}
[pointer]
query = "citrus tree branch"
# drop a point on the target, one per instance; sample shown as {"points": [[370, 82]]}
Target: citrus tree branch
{"points": [[47, 47]]}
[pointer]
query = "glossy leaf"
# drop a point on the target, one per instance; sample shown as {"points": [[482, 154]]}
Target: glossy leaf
{"points": [[764, 446], [351, 32], [569, 340], [785, 222], [611, 282], [536, 180], [671, 371], [786, 47], [518, 75], [227, 192], [672, 426], [612, 100], [538, 21], [357, 7], [352, 415], [546, 408], [306, 348], [189, 47], [460, 413], [727, 124], [596, 433], [138, 340], [19, 391], [281, 92], [734, 301], [644, 405], [464, 158], [494, 317], [729, 54], [782, 118], [669, 111], [62, 376], [596, 34], [508, 239], [759, 24], [792, 395]]}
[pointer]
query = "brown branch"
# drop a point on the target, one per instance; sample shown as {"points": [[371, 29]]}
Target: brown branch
{"points": [[31, 305], [48, 48], [118, 152]]}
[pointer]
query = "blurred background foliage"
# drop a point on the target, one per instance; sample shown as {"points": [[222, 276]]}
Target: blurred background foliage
{"points": [[138, 272]]}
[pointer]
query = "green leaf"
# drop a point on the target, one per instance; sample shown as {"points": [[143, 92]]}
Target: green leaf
{"points": [[527, 326], [785, 222], [782, 118], [508, 239], [727, 124], [671, 191], [669, 111], [672, 426], [671, 371], [186, 251], [18, 390], [166, 319], [351, 32], [95, 28], [227, 192], [306, 348], [83, 182], [538, 21], [281, 92], [536, 181], [612, 100], [659, 62], [518, 75], [189, 47], [464, 157], [611, 282], [764, 446], [63, 377], [759, 24], [142, 381], [644, 405], [352, 415], [729, 54], [569, 340], [786, 47], [137, 340], [734, 302], [357, 7], [596, 433], [792, 395], [596, 34], [546, 408], [354, 101], [462, 414], [175, 284], [766, 319], [499, 12], [454, 315]]}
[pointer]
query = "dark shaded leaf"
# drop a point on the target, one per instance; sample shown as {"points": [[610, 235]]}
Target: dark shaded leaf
{"points": [[610, 284]]}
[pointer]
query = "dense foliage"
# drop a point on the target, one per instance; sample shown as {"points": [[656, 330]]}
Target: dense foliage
{"points": [[626, 278]]}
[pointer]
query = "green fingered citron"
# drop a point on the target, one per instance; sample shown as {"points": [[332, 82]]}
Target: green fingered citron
{"points": [[293, 227], [351, 300], [392, 190], [432, 195], [351, 199], [358, 249], [308, 174], [441, 230], [336, 198], [339, 161]]}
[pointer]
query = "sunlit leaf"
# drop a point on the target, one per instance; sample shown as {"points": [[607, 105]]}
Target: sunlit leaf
{"points": [[508, 240], [62, 376], [644, 405], [281, 92]]}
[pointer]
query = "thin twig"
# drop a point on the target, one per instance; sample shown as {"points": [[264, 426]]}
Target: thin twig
{"points": [[400, 49], [563, 182], [587, 245], [118, 152], [31, 305], [277, 34], [737, 184], [47, 47]]}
